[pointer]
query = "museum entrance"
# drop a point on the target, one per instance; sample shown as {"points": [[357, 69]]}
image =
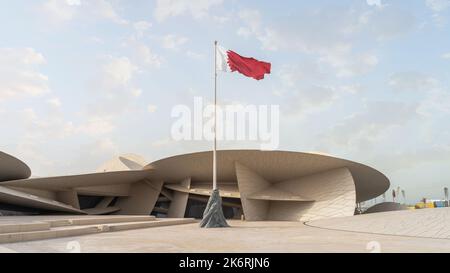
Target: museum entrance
{"points": [[232, 208]]}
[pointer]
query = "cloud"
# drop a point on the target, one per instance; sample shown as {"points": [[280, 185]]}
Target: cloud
{"points": [[195, 55], [170, 8], [141, 53], [361, 130], [412, 81], [117, 72], [348, 64], [325, 33], [104, 9], [437, 5], [45, 127], [96, 126], [151, 108], [136, 92], [18, 74], [446, 56], [104, 147], [147, 57], [436, 104], [252, 20], [62, 11], [173, 42], [73, 2], [304, 90], [376, 3], [162, 142], [59, 10], [54, 102], [414, 157], [330, 34], [141, 27]]}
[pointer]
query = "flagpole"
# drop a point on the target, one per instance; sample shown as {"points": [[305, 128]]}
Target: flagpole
{"points": [[215, 119]]}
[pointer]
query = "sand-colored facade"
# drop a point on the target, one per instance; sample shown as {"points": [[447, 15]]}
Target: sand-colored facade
{"points": [[255, 185]]}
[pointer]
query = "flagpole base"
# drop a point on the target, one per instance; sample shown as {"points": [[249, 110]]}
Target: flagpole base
{"points": [[213, 215]]}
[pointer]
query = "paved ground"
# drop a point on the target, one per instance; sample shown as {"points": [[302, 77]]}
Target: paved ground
{"points": [[428, 223], [244, 237], [36, 218]]}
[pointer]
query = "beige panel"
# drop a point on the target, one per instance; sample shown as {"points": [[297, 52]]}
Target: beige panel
{"points": [[108, 190], [178, 205], [40, 193], [100, 211], [226, 189], [12, 168], [105, 202], [123, 163], [60, 183], [142, 198], [274, 166], [333, 192], [69, 198], [15, 197], [250, 183]]}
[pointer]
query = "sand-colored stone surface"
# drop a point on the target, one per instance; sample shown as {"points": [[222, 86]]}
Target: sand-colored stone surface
{"points": [[428, 223], [261, 236]]}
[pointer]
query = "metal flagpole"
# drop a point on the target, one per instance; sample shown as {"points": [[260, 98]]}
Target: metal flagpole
{"points": [[213, 215], [215, 119]]}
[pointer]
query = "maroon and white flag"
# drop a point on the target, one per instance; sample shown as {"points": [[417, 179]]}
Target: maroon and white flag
{"points": [[228, 60]]}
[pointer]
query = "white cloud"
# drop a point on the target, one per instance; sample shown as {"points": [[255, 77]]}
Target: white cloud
{"points": [[45, 127], [136, 92], [96, 126], [436, 104], [195, 55], [146, 56], [141, 27], [446, 56], [104, 146], [18, 74], [162, 142], [329, 34], [252, 21], [173, 42], [348, 64], [73, 2], [117, 71], [104, 9], [437, 5], [412, 81], [360, 130], [54, 102], [151, 108], [376, 3], [171, 8], [61, 11]]}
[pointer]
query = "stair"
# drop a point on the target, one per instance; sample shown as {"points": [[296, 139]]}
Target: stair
{"points": [[80, 225]]}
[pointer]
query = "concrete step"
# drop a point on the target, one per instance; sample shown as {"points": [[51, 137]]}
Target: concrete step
{"points": [[78, 230], [24, 227], [159, 223], [78, 221], [75, 221], [46, 234]]}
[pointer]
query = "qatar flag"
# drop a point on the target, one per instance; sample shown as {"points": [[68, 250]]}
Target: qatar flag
{"points": [[228, 60]]}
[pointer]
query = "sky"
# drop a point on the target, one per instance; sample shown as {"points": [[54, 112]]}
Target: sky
{"points": [[82, 81]]}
